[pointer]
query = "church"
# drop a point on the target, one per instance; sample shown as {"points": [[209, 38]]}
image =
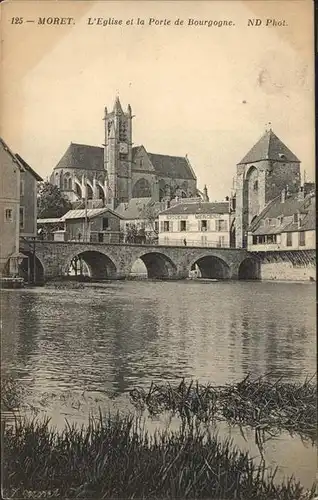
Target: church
{"points": [[119, 172]]}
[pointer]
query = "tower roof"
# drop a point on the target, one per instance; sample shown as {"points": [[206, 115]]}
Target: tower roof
{"points": [[117, 105], [269, 147]]}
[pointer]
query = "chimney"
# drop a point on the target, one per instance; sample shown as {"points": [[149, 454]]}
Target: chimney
{"points": [[205, 194]]}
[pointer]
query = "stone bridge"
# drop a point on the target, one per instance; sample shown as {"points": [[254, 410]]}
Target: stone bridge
{"points": [[114, 261]]}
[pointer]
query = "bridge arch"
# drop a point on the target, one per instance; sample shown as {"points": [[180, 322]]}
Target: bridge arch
{"points": [[32, 268], [94, 263], [158, 264], [211, 266], [249, 269]]}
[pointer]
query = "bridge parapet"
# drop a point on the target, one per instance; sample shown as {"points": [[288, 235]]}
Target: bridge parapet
{"points": [[115, 260]]}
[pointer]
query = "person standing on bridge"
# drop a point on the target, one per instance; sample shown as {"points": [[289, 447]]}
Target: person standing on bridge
{"points": [[185, 242]]}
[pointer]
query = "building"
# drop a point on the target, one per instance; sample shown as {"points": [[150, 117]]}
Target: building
{"points": [[261, 176], [96, 225], [196, 223], [28, 199], [18, 206], [286, 223], [119, 172], [11, 170]]}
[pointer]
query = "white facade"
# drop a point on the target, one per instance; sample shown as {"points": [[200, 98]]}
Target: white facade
{"points": [[196, 224], [292, 240]]}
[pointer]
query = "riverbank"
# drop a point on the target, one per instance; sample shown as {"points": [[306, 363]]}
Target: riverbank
{"points": [[114, 457], [260, 403]]}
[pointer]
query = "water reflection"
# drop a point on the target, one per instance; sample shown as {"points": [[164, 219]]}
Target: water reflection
{"points": [[70, 345]]}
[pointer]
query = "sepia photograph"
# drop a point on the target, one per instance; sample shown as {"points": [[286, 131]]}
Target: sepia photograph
{"points": [[158, 250]]}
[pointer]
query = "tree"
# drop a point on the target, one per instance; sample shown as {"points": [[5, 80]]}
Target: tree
{"points": [[149, 214], [51, 202]]}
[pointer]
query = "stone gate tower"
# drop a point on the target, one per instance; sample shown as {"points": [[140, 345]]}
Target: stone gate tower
{"points": [[261, 176], [118, 153]]}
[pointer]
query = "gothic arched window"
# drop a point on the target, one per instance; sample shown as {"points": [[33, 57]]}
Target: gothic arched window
{"points": [[141, 189]]}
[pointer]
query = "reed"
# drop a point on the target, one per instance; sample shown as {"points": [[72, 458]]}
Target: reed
{"points": [[114, 457], [260, 403]]}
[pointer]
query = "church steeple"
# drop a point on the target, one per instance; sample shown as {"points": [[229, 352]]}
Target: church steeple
{"points": [[117, 106], [118, 152]]}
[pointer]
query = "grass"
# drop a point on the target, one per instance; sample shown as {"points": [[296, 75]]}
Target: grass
{"points": [[114, 457], [262, 404]]}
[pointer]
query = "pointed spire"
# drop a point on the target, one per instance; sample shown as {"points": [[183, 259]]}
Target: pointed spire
{"points": [[129, 109], [117, 105]]}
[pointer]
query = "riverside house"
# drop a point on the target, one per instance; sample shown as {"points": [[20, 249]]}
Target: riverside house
{"points": [[96, 225], [287, 223], [196, 223], [18, 207]]}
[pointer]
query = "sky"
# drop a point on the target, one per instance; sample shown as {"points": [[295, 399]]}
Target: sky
{"points": [[208, 92]]}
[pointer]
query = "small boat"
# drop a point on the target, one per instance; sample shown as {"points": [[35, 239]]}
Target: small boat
{"points": [[203, 280]]}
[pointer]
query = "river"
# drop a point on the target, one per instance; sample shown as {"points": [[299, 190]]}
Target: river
{"points": [[73, 350]]}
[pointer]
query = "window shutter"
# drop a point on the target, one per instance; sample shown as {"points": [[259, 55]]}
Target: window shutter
{"points": [[199, 225], [161, 226], [208, 222], [171, 226]]}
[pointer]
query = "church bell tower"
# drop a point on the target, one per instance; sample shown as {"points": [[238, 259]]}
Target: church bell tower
{"points": [[118, 153]]}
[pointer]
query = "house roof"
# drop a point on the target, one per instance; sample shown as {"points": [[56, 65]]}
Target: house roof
{"points": [[176, 167], [221, 207], [133, 209], [269, 147], [50, 220], [293, 204], [82, 156], [11, 154], [28, 168], [90, 213]]}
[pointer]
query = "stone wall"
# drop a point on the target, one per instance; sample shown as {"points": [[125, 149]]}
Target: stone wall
{"points": [[288, 266], [285, 271]]}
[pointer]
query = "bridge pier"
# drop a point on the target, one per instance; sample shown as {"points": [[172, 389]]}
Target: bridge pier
{"points": [[115, 261]]}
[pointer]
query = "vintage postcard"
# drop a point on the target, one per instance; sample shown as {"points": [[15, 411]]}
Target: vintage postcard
{"points": [[157, 249]]}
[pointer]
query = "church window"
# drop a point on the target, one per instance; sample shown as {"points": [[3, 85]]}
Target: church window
{"points": [[140, 162], [204, 225], [255, 186], [166, 226], [142, 189], [183, 225], [105, 223], [255, 240]]}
